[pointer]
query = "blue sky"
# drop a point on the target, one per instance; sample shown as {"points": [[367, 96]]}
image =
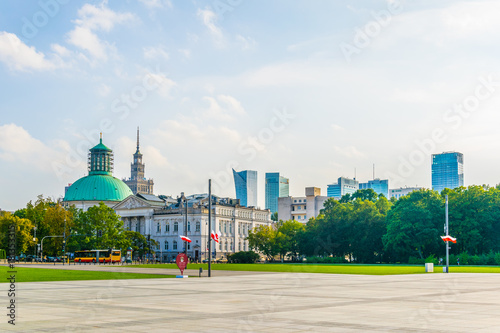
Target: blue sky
{"points": [[312, 89]]}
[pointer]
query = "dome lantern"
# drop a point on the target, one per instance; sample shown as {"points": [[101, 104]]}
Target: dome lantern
{"points": [[100, 160]]}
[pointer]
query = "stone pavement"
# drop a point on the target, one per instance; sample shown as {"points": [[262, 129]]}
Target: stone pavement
{"points": [[280, 302]]}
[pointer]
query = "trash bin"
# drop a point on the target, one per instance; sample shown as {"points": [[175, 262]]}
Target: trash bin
{"points": [[429, 267]]}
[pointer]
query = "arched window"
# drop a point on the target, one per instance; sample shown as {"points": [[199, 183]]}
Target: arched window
{"points": [[198, 226], [158, 230], [166, 245], [175, 245], [167, 227]]}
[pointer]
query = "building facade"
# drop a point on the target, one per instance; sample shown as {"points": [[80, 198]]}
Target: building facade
{"points": [[402, 191], [447, 170], [380, 186], [245, 183], [137, 181], [99, 185], [277, 186], [165, 223], [301, 208], [343, 186]]}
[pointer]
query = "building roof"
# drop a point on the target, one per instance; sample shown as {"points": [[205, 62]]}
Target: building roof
{"points": [[98, 188], [100, 146]]}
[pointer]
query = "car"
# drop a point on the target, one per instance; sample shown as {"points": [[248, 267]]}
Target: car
{"points": [[221, 261]]}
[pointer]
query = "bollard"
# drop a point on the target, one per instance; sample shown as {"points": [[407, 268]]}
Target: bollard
{"points": [[201, 271]]}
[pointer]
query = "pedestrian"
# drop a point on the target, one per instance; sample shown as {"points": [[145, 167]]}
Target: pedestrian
{"points": [[458, 261]]}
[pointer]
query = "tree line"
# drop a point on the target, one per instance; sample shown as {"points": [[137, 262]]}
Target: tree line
{"points": [[97, 228], [368, 228]]}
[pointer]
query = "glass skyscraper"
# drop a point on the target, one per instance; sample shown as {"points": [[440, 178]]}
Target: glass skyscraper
{"points": [[380, 186], [343, 186], [245, 183], [447, 171], [276, 187]]}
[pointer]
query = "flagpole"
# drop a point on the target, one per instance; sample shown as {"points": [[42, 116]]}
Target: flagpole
{"points": [[447, 234], [209, 227]]}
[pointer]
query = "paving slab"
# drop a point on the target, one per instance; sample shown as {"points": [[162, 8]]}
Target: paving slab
{"points": [[279, 302]]}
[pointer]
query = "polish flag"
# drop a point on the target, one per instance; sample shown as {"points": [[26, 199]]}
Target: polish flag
{"points": [[215, 236], [448, 239], [186, 239]]}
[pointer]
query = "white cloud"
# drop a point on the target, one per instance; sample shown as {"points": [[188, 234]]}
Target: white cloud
{"points": [[155, 53], [165, 85], [19, 56], [223, 108], [246, 43], [153, 4], [209, 19], [185, 53], [92, 19], [337, 127], [104, 90]]}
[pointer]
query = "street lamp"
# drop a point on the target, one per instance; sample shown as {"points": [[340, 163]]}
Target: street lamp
{"points": [[34, 239]]}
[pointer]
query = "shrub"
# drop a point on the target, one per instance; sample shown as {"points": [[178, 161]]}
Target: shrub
{"points": [[431, 259], [326, 260], [2, 254], [416, 261], [243, 257]]}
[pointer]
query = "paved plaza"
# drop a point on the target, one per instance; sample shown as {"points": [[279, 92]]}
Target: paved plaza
{"points": [[255, 302]]}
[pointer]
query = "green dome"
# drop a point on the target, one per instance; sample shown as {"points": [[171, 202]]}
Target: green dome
{"points": [[98, 188]]}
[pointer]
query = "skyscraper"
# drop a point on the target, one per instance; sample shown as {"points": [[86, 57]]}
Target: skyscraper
{"points": [[447, 170], [245, 183], [381, 186], [343, 186], [276, 187], [137, 181]]}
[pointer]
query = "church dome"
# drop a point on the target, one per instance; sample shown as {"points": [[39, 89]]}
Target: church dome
{"points": [[99, 185], [98, 188]]}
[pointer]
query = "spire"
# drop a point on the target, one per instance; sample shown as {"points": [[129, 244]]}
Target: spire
{"points": [[137, 139], [100, 140]]}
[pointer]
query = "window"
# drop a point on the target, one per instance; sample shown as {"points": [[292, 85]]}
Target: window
{"points": [[220, 246], [225, 246], [175, 245], [299, 207], [167, 227], [189, 226], [230, 227], [225, 227], [198, 226], [189, 246], [176, 226], [220, 227], [239, 246], [239, 228], [158, 227], [166, 245], [137, 227]]}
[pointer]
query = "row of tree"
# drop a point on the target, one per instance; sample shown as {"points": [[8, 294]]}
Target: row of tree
{"points": [[97, 228], [366, 227]]}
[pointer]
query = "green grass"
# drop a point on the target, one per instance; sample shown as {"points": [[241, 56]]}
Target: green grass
{"points": [[25, 274], [333, 268]]}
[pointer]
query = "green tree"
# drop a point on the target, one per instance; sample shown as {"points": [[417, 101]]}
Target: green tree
{"points": [[99, 228], [263, 239], [274, 217], [414, 225], [23, 230], [287, 237]]}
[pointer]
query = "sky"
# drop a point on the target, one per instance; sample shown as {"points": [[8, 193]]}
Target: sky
{"points": [[314, 90]]}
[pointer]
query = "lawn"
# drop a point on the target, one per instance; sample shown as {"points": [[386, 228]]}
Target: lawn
{"points": [[25, 274], [334, 268]]}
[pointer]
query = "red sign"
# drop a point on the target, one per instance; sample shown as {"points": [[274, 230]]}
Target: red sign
{"points": [[181, 261]]}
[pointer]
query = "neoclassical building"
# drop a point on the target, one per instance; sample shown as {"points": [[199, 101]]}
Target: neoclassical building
{"points": [[165, 222]]}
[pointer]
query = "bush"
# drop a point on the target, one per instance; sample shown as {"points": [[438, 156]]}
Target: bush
{"points": [[243, 257], [2, 254], [431, 259], [416, 261]]}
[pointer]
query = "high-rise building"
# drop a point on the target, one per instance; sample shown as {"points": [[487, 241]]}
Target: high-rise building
{"points": [[276, 187], [380, 186], [245, 183], [343, 186], [137, 181], [447, 170]]}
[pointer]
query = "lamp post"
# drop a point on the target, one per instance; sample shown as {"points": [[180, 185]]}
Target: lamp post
{"points": [[64, 241], [447, 243], [34, 240]]}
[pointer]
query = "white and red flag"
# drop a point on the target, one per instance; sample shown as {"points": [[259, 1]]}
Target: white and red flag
{"points": [[215, 236], [448, 239], [185, 238]]}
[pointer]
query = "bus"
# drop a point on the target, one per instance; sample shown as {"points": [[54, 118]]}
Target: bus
{"points": [[103, 255]]}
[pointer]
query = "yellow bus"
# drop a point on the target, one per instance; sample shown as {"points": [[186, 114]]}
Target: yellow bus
{"points": [[103, 255]]}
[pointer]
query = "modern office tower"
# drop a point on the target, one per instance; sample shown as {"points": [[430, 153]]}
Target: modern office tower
{"points": [[402, 191], [380, 186], [447, 170], [245, 183], [343, 186], [301, 208], [276, 186]]}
